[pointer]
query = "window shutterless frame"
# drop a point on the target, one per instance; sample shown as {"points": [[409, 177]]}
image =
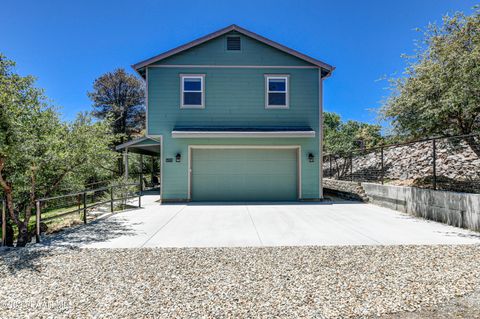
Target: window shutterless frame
{"points": [[284, 77], [184, 78]]}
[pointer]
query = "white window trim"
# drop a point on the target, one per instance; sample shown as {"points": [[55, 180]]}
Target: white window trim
{"points": [[285, 77], [195, 76]]}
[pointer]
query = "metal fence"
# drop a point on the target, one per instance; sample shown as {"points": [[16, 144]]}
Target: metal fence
{"points": [[447, 163], [85, 201], [83, 206]]}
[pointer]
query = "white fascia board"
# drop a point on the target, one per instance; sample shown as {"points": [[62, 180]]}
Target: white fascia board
{"points": [[235, 134]]}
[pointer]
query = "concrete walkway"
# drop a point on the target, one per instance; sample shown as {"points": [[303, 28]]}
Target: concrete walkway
{"points": [[262, 224]]}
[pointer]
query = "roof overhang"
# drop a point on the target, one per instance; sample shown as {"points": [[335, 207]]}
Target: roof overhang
{"points": [[143, 145], [243, 134], [326, 68]]}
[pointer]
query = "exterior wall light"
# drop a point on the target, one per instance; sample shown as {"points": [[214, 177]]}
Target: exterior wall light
{"points": [[311, 157], [178, 157]]}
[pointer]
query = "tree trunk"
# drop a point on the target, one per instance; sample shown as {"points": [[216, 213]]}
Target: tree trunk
{"points": [[474, 144], [23, 236], [9, 235]]}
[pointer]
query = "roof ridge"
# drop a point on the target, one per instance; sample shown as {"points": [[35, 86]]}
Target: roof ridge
{"points": [[223, 31]]}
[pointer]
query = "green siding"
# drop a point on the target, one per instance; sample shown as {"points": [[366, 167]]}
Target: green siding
{"points": [[175, 175], [233, 97], [244, 174], [252, 53]]}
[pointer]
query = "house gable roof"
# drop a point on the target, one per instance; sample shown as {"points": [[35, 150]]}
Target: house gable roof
{"points": [[324, 66]]}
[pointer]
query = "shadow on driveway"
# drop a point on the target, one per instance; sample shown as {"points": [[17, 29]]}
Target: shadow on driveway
{"points": [[100, 230]]}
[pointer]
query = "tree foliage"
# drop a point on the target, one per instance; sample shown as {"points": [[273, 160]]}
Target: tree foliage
{"points": [[121, 97], [39, 154], [344, 137], [440, 92]]}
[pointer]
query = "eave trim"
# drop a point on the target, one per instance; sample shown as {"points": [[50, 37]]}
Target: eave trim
{"points": [[245, 134], [223, 31]]}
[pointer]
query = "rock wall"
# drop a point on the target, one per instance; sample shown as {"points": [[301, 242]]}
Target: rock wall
{"points": [[345, 189], [457, 166]]}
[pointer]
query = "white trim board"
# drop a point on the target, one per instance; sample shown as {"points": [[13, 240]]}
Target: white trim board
{"points": [[297, 147], [320, 135], [243, 31], [218, 66], [247, 134], [146, 100]]}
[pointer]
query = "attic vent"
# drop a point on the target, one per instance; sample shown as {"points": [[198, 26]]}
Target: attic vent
{"points": [[233, 44]]}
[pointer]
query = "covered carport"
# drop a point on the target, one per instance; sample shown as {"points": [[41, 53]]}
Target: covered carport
{"points": [[149, 151]]}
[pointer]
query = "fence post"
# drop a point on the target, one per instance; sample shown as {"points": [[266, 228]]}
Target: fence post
{"points": [[434, 155], [338, 170], [382, 165], [4, 224], [351, 167], [331, 171], [38, 220], [141, 180], [111, 199], [140, 191], [84, 207]]}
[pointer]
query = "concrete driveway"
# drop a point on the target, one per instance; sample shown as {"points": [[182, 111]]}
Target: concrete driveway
{"points": [[263, 224]]}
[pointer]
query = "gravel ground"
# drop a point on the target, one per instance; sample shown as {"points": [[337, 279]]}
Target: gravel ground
{"points": [[457, 308], [322, 282]]}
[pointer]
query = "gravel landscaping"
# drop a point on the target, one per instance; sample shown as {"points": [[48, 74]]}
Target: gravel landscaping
{"points": [[322, 282]]}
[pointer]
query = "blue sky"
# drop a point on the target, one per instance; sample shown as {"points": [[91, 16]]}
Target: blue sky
{"points": [[67, 44]]}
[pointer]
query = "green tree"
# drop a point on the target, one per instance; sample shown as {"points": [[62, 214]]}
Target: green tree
{"points": [[440, 92], [39, 154], [344, 137], [121, 97]]}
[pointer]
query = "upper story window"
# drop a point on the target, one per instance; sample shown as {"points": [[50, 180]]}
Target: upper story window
{"points": [[192, 90], [276, 91], [234, 44]]}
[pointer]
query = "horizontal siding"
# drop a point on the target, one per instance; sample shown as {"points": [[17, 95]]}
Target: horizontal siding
{"points": [[175, 178], [253, 53], [234, 97]]}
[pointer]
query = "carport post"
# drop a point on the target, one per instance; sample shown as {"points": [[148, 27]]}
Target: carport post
{"points": [[152, 159], [125, 160]]}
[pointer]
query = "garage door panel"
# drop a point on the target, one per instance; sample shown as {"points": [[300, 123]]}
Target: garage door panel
{"points": [[266, 167], [244, 174]]}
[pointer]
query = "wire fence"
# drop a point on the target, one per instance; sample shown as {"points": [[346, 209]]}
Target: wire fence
{"points": [[447, 163], [79, 207], [85, 206]]}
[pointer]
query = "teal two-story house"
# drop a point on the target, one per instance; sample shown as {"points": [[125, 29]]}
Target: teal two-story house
{"points": [[234, 117]]}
